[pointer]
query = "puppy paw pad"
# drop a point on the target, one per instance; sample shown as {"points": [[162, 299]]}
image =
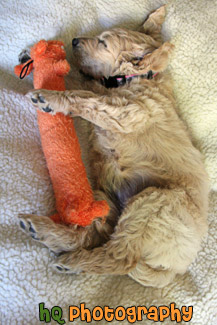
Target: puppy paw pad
{"points": [[34, 100], [41, 99], [61, 269], [31, 229], [47, 109], [22, 225]]}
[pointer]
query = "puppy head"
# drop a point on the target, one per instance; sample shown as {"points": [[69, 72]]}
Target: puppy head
{"points": [[120, 51]]}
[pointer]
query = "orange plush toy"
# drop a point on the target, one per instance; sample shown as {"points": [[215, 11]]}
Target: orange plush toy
{"points": [[74, 197]]}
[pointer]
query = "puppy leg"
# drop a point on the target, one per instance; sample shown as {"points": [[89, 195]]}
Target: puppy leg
{"points": [[59, 237], [173, 233], [157, 236], [112, 258], [108, 112]]}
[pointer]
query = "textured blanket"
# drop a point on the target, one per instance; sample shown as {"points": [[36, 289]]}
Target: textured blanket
{"points": [[25, 276]]}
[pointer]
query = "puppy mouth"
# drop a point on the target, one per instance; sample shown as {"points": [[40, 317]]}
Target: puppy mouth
{"points": [[82, 70], [89, 76], [79, 57], [86, 75]]}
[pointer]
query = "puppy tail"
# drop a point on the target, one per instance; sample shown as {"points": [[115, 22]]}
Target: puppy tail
{"points": [[150, 277]]}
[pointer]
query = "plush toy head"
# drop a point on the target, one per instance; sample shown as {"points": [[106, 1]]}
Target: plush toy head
{"points": [[48, 49], [44, 53]]}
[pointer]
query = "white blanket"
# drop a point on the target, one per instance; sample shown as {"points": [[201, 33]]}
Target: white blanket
{"points": [[26, 278]]}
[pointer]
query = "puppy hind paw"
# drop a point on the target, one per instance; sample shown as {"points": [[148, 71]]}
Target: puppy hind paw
{"points": [[63, 269], [64, 264], [27, 227]]}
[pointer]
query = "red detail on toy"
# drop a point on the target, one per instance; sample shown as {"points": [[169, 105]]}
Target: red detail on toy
{"points": [[74, 197]]}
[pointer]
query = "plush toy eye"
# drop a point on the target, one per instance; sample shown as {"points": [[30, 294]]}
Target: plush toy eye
{"points": [[62, 47]]}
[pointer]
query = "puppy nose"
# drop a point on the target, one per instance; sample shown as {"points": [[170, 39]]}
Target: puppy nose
{"points": [[75, 42]]}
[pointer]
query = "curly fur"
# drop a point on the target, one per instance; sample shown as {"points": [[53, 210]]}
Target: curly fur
{"points": [[143, 163]]}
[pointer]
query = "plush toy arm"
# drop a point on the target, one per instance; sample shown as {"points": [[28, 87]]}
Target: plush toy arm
{"points": [[61, 67], [18, 68]]}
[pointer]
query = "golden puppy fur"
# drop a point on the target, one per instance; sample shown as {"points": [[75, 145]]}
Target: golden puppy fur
{"points": [[143, 164]]}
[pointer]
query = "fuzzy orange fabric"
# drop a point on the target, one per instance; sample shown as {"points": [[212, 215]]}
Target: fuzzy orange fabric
{"points": [[74, 197]]}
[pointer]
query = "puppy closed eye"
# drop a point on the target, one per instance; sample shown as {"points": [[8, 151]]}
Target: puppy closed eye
{"points": [[102, 42], [135, 61]]}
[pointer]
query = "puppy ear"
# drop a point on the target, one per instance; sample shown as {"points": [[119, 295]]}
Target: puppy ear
{"points": [[152, 25], [158, 60], [128, 61], [125, 62]]}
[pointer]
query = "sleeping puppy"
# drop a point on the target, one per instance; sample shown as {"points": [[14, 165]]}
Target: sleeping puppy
{"points": [[142, 159]]}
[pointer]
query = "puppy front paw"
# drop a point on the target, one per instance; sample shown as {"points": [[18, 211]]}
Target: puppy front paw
{"points": [[45, 100]]}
